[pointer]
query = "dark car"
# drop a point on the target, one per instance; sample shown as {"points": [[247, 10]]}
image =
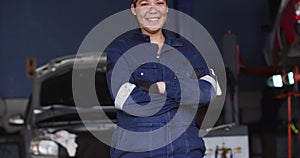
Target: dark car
{"points": [[52, 124]]}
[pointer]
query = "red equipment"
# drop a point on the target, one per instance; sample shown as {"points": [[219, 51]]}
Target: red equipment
{"points": [[289, 98]]}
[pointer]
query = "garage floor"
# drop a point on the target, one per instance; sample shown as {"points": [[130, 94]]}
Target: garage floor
{"points": [[9, 146]]}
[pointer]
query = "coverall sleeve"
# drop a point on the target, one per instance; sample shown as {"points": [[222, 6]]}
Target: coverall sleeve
{"points": [[205, 79], [123, 91]]}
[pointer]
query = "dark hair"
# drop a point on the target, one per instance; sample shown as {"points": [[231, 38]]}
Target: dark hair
{"points": [[134, 2]]}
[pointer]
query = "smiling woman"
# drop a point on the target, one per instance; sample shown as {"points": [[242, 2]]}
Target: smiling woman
{"points": [[166, 75], [151, 15]]}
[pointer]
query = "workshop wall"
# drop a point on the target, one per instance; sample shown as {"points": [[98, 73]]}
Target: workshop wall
{"points": [[44, 30], [51, 28], [244, 18]]}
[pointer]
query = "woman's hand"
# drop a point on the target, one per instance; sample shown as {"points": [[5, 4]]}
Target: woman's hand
{"points": [[156, 87], [161, 86]]}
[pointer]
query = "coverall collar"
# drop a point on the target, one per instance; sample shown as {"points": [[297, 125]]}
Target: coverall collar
{"points": [[171, 38]]}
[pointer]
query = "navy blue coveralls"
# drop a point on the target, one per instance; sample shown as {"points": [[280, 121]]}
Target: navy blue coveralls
{"points": [[188, 144]]}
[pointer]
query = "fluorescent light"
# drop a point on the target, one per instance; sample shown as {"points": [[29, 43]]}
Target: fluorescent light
{"points": [[291, 78], [277, 81]]}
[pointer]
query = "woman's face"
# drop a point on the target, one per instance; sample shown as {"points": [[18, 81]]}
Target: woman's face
{"points": [[151, 14]]}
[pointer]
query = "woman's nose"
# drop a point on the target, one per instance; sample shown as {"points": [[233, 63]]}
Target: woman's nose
{"points": [[152, 8]]}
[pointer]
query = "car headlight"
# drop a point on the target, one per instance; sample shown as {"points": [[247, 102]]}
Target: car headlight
{"points": [[44, 147]]}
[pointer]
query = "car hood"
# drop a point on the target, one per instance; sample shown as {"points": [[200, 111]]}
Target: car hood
{"points": [[64, 116]]}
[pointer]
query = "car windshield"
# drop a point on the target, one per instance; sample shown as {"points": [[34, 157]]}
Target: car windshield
{"points": [[57, 101], [57, 90]]}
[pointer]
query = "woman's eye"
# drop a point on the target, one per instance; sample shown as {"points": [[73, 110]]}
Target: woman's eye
{"points": [[144, 4], [160, 3]]}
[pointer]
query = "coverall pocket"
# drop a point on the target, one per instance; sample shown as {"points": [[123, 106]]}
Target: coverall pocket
{"points": [[146, 72]]}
